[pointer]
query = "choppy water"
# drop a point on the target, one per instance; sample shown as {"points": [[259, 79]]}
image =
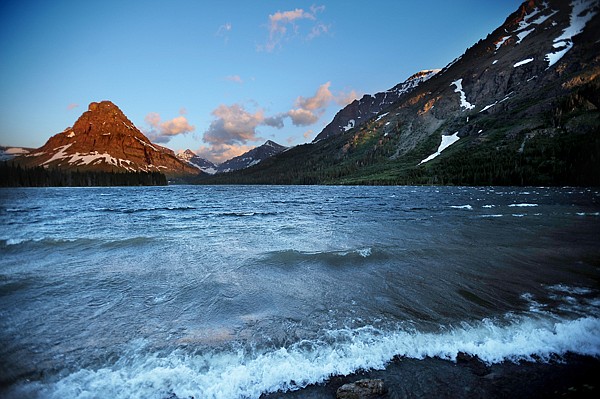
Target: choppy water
{"points": [[229, 292]]}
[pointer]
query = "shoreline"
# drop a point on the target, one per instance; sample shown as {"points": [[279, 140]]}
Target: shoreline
{"points": [[570, 376]]}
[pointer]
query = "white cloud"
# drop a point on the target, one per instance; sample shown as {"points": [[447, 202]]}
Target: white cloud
{"points": [[280, 23], [234, 78], [223, 31], [317, 31]]}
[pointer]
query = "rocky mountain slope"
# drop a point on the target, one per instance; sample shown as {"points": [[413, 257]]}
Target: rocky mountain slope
{"points": [[519, 107], [103, 139], [360, 111], [204, 165], [252, 157], [247, 159]]}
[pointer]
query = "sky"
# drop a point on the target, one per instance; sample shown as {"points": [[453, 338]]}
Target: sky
{"points": [[219, 77]]}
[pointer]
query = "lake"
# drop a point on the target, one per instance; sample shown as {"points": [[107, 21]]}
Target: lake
{"points": [[235, 291]]}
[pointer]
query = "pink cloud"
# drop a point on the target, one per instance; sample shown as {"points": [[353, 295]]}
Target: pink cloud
{"points": [[219, 153], [72, 106], [162, 132], [343, 99]]}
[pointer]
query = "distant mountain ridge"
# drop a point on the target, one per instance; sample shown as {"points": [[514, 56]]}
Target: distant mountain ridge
{"points": [[247, 159], [103, 139]]}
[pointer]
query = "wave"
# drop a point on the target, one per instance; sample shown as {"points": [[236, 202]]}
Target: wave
{"points": [[467, 207], [57, 243], [336, 257], [138, 210], [248, 373], [246, 214]]}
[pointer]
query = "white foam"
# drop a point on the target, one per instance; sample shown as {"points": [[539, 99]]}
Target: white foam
{"points": [[522, 205], [469, 207], [247, 374]]}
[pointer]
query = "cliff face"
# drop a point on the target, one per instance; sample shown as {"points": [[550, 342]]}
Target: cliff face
{"points": [[104, 139]]}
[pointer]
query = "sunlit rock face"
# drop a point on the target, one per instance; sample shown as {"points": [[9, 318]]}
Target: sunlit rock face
{"points": [[104, 139]]}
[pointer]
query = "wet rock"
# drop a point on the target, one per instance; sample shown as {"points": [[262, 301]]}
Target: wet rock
{"points": [[362, 389], [477, 366]]}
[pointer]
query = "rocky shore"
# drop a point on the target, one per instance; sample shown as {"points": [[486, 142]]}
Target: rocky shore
{"points": [[572, 376]]}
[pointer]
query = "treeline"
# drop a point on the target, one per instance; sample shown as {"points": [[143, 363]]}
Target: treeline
{"points": [[12, 175], [562, 159]]}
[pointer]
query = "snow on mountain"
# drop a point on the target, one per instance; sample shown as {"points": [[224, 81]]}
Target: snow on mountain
{"points": [[8, 153], [203, 164], [361, 111], [103, 139], [252, 157]]}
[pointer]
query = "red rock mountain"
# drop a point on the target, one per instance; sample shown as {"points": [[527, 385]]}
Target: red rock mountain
{"points": [[103, 139]]}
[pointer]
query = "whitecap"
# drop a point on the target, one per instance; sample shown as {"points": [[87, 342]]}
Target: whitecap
{"points": [[469, 207], [247, 373]]}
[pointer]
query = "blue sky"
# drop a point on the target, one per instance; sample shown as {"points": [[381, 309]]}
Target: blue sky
{"points": [[219, 77]]}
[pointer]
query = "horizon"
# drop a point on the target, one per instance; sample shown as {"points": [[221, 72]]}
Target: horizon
{"points": [[219, 80]]}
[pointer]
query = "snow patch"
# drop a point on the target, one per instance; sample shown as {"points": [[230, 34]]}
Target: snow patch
{"points": [[463, 97], [350, 125], [522, 35], [581, 14], [59, 154], [447, 141], [72, 134], [527, 61], [381, 116], [501, 42]]}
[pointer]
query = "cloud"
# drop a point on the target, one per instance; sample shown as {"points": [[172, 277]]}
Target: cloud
{"points": [[219, 153], [233, 125], [275, 121], [223, 31], [308, 110], [234, 78], [317, 31], [162, 132], [302, 117], [343, 99], [280, 23], [72, 106], [320, 100]]}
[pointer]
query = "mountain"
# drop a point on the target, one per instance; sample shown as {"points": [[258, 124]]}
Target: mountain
{"points": [[360, 111], [103, 139], [8, 153], [203, 164], [252, 157], [520, 107]]}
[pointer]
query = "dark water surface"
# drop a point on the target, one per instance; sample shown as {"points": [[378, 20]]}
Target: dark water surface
{"points": [[230, 292]]}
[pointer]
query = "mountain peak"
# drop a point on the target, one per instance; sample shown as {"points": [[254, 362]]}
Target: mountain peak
{"points": [[104, 139]]}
